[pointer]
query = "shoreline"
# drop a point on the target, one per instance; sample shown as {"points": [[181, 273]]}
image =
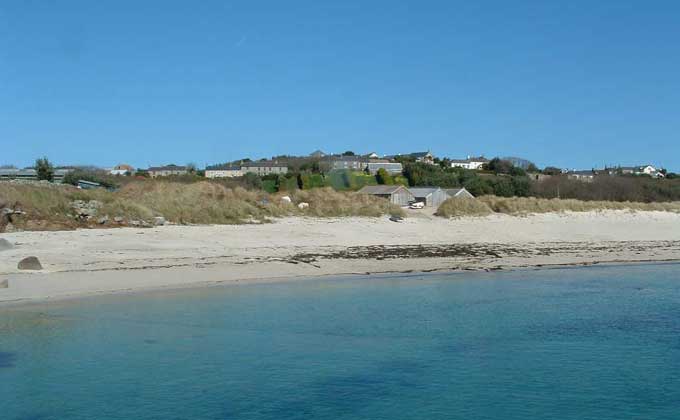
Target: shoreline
{"points": [[97, 262], [65, 299]]}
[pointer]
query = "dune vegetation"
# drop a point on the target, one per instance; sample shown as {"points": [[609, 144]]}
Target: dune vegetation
{"points": [[50, 206], [490, 204]]}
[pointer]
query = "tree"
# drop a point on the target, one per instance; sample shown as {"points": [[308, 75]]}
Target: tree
{"points": [[500, 166], [252, 181], [551, 170], [348, 153], [383, 178], [191, 168], [44, 169]]}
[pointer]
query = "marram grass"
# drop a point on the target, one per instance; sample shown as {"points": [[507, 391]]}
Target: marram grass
{"points": [[485, 205], [195, 203]]}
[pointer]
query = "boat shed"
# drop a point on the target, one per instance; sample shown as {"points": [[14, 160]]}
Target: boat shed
{"points": [[397, 194], [458, 193], [431, 196]]}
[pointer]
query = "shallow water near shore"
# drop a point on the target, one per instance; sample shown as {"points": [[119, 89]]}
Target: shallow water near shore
{"points": [[585, 343]]}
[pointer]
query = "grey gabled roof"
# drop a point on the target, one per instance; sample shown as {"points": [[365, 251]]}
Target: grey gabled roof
{"points": [[167, 168], [18, 172], [454, 192], [423, 191], [264, 164], [223, 168], [586, 172], [470, 160], [381, 189]]}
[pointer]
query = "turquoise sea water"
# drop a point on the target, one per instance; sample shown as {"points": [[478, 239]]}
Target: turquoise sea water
{"points": [[588, 343]]}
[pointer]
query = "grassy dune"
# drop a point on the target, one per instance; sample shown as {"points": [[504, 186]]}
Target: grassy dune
{"points": [[486, 205], [49, 207], [526, 205]]}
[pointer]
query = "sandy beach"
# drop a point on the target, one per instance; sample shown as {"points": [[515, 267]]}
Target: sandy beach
{"points": [[85, 262]]}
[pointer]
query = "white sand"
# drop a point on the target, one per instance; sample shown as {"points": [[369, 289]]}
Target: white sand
{"points": [[102, 261]]}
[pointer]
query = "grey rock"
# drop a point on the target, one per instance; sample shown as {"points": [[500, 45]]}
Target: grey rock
{"points": [[4, 284], [103, 220], [134, 223], [118, 219], [30, 263], [159, 221], [5, 244]]}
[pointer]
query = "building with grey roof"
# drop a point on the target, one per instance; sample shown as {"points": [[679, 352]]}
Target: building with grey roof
{"points": [[396, 194]]}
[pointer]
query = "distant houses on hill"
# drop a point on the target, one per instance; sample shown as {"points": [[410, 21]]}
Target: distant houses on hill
{"points": [[473, 163], [223, 171], [420, 157], [122, 169], [265, 167], [590, 175], [30, 174], [168, 170]]}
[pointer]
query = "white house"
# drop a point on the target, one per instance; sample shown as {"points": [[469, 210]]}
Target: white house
{"points": [[473, 163], [223, 171]]}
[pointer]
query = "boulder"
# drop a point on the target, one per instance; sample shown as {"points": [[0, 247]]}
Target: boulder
{"points": [[4, 284], [86, 210], [303, 206], [159, 221], [118, 219], [30, 263], [286, 199], [103, 220], [5, 244]]}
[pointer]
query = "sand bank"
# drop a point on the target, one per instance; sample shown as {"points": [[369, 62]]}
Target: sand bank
{"points": [[87, 262]]}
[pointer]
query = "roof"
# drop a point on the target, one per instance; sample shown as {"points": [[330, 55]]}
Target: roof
{"points": [[453, 192], [423, 191], [381, 189], [264, 164], [168, 168], [123, 167], [94, 184], [222, 168], [585, 173], [18, 172], [415, 155], [382, 163], [471, 159], [351, 158]]}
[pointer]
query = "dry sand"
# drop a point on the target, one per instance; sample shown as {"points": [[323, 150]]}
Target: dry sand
{"points": [[87, 262]]}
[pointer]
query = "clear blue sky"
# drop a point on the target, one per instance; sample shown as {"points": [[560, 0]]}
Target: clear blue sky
{"points": [[573, 84]]}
